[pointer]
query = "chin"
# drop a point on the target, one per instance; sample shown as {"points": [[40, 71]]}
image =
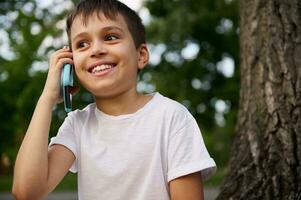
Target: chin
{"points": [[102, 93], [105, 95]]}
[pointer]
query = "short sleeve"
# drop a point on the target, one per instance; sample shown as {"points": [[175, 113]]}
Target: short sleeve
{"points": [[66, 137], [187, 153]]}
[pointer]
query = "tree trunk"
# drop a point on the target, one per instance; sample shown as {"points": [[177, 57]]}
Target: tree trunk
{"points": [[266, 153]]}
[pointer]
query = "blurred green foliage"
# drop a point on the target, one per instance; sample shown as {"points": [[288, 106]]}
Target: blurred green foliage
{"points": [[212, 28], [188, 37], [29, 33]]}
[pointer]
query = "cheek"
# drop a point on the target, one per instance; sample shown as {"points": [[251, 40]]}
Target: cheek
{"points": [[131, 57], [77, 61], [127, 51]]}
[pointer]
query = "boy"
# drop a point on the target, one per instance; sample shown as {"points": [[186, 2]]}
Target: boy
{"points": [[126, 145]]}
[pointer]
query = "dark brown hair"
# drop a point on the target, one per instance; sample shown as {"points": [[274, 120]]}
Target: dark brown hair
{"points": [[110, 9]]}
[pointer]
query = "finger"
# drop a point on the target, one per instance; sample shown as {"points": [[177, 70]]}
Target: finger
{"points": [[64, 55], [64, 48], [63, 61], [55, 58], [57, 52], [61, 50], [59, 57]]}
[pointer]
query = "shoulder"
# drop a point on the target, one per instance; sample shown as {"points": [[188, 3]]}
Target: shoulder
{"points": [[173, 107], [173, 111], [82, 114]]}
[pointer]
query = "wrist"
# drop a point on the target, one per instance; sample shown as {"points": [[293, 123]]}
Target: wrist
{"points": [[47, 100]]}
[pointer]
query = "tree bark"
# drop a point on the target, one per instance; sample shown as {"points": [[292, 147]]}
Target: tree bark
{"points": [[266, 152]]}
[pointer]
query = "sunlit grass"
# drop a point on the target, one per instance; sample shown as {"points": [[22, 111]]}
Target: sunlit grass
{"points": [[68, 183]]}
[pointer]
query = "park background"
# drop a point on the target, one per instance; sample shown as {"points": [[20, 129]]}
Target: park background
{"points": [[194, 59]]}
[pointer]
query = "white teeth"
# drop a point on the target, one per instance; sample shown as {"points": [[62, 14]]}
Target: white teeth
{"points": [[99, 68]]}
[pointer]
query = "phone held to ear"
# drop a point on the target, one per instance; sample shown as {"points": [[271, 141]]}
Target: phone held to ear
{"points": [[66, 82]]}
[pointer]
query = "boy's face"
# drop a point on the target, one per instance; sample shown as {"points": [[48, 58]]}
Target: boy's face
{"points": [[105, 57]]}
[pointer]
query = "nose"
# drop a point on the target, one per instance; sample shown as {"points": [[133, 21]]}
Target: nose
{"points": [[98, 49]]}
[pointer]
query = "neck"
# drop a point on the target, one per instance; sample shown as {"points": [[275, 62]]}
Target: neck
{"points": [[125, 103]]}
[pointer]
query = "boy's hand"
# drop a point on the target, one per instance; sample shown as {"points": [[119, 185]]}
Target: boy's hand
{"points": [[52, 86]]}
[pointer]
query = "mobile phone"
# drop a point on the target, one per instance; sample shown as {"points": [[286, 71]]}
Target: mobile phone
{"points": [[66, 82]]}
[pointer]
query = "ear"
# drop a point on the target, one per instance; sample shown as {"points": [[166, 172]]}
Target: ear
{"points": [[143, 56]]}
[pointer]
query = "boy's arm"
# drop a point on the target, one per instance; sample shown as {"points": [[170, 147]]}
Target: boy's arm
{"points": [[187, 187], [37, 171]]}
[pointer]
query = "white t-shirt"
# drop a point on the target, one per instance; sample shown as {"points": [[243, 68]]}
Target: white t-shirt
{"points": [[134, 156]]}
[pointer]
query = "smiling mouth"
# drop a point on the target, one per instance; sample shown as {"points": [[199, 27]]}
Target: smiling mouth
{"points": [[101, 68]]}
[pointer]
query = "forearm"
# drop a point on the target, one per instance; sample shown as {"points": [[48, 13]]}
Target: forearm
{"points": [[31, 167]]}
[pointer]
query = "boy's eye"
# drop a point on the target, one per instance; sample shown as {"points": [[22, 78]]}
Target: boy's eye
{"points": [[82, 44], [110, 37]]}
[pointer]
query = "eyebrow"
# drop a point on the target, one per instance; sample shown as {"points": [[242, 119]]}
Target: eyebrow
{"points": [[107, 28]]}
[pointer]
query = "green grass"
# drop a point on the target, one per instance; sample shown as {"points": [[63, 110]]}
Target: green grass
{"points": [[69, 183]]}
